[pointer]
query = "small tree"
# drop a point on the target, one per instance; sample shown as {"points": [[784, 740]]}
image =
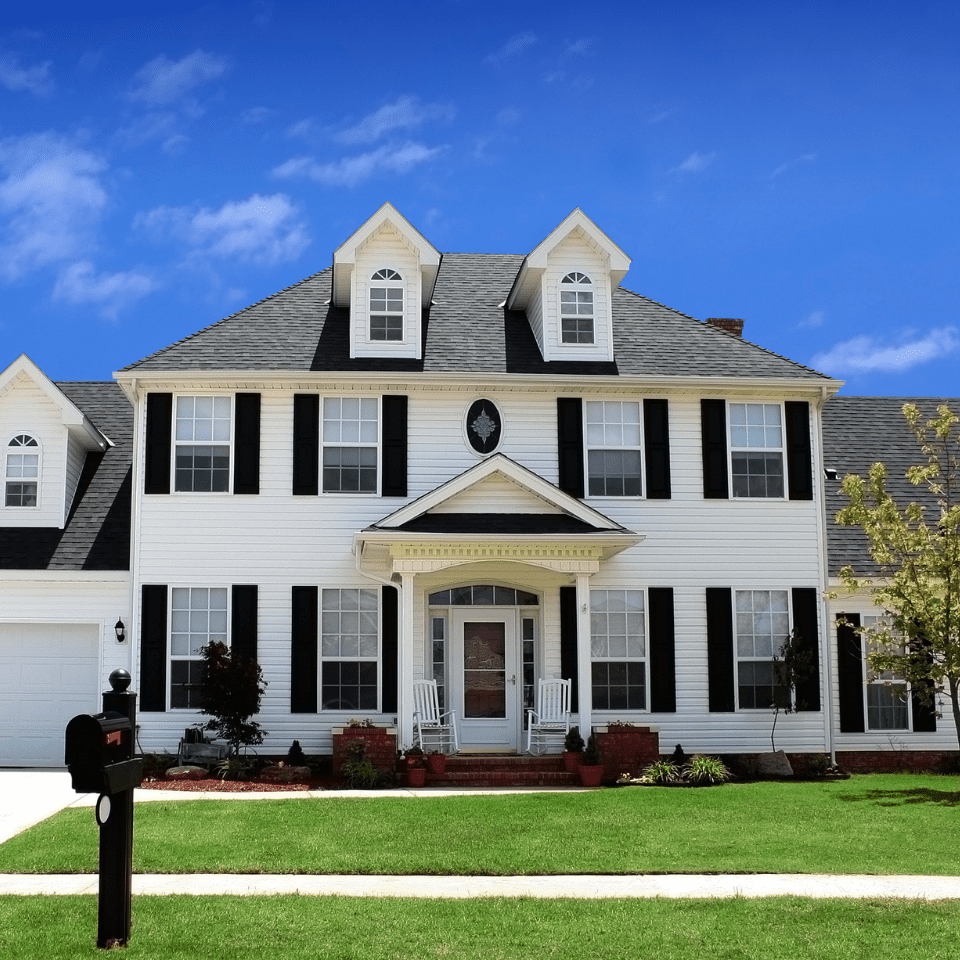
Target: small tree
{"points": [[919, 561], [792, 667], [231, 689]]}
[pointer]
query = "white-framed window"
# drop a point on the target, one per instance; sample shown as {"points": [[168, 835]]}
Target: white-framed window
{"points": [[886, 702], [198, 616], [756, 449], [613, 442], [22, 472], [762, 627], [350, 437], [203, 443], [576, 309], [349, 649], [618, 649], [386, 305]]}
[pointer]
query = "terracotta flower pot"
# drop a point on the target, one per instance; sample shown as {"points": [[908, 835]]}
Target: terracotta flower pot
{"points": [[417, 776], [571, 760], [590, 776]]}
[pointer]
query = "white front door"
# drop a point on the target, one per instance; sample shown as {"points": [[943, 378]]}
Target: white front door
{"points": [[486, 678]]}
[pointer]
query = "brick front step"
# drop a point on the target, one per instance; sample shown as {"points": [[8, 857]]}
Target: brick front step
{"points": [[507, 770]]}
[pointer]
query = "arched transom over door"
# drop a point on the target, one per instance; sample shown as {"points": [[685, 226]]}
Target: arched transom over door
{"points": [[484, 648]]}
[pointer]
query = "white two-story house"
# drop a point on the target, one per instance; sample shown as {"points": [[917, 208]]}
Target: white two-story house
{"points": [[484, 469]]}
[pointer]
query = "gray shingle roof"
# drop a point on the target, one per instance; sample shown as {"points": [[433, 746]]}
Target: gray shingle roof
{"points": [[858, 432], [466, 330], [97, 533]]}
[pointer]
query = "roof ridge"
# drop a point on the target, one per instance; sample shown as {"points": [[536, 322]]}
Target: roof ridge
{"points": [[707, 326], [217, 323]]}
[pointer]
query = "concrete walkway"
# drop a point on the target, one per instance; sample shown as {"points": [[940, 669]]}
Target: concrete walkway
{"points": [[29, 796]]}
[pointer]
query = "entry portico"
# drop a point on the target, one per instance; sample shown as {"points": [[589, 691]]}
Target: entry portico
{"points": [[480, 562]]}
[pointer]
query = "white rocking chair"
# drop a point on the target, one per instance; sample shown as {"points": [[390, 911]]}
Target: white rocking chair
{"points": [[551, 720], [429, 724]]}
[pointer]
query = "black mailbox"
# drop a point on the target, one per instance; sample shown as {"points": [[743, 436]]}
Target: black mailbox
{"points": [[97, 751]]}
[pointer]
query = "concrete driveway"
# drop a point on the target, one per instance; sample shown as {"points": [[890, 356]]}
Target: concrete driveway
{"points": [[28, 796]]}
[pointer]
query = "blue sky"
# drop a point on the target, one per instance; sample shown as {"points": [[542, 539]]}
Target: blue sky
{"points": [[794, 164]]}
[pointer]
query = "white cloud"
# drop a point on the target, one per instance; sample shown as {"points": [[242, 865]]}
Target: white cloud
{"points": [[407, 113], [515, 45], [51, 200], [868, 355], [36, 79], [79, 284], [350, 171], [260, 230], [695, 163], [813, 320], [784, 167], [163, 81], [256, 115]]}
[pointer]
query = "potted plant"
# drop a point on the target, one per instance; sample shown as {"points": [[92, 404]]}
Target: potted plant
{"points": [[572, 750], [416, 771], [591, 766], [437, 762]]}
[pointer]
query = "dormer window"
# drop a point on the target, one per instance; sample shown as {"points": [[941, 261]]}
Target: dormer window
{"points": [[22, 471], [576, 309], [386, 305]]}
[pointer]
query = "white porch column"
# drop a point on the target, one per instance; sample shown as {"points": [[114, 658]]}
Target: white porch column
{"points": [[405, 678], [584, 680]]}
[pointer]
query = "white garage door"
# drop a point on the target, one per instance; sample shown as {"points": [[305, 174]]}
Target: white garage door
{"points": [[48, 674]]}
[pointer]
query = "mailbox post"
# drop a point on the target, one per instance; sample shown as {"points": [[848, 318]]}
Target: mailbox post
{"points": [[99, 755]]}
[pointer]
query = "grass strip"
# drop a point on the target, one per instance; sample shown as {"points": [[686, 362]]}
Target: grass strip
{"points": [[879, 824], [787, 928]]}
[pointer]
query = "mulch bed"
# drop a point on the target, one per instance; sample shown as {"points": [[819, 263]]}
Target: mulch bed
{"points": [[232, 786]]}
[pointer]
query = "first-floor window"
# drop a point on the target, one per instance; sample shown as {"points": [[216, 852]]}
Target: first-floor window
{"points": [[22, 472], [618, 649], [349, 649], [886, 701], [198, 616], [762, 627]]}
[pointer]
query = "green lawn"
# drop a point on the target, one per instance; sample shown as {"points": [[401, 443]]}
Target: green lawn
{"points": [[880, 824], [254, 928]]}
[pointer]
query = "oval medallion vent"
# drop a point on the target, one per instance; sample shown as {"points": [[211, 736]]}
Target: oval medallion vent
{"points": [[484, 426]]}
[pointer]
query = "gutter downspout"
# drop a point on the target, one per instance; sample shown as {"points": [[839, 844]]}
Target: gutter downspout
{"points": [[825, 585]]}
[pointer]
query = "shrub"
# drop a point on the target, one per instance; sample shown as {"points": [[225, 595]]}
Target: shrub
{"points": [[237, 768], [231, 688], [358, 771], [592, 756], [662, 773], [705, 770], [296, 756], [573, 742]]}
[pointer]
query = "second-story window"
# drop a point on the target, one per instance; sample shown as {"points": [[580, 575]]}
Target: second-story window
{"points": [[203, 444], [756, 449], [576, 309], [386, 306], [613, 448], [22, 472], [351, 437]]}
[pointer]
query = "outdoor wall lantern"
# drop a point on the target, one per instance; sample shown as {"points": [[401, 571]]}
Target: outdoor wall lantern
{"points": [[120, 630]]}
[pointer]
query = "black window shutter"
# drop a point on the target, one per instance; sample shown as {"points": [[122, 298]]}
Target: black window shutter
{"points": [[153, 647], [663, 669], [805, 622], [303, 650], [394, 483], [713, 436], [306, 444], [720, 649], [246, 464], [568, 642], [850, 673], [799, 468], [389, 647], [924, 714], [156, 468], [243, 621], [570, 445], [656, 438]]}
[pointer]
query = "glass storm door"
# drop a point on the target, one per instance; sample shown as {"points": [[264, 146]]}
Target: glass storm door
{"points": [[486, 679]]}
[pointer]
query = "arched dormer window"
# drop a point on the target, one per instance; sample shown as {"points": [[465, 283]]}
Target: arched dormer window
{"points": [[576, 309], [386, 305], [22, 472]]}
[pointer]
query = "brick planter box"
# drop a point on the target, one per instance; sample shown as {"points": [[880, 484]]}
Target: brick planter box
{"points": [[626, 749], [380, 746]]}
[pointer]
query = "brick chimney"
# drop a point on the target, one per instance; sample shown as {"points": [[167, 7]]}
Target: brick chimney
{"points": [[727, 324]]}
